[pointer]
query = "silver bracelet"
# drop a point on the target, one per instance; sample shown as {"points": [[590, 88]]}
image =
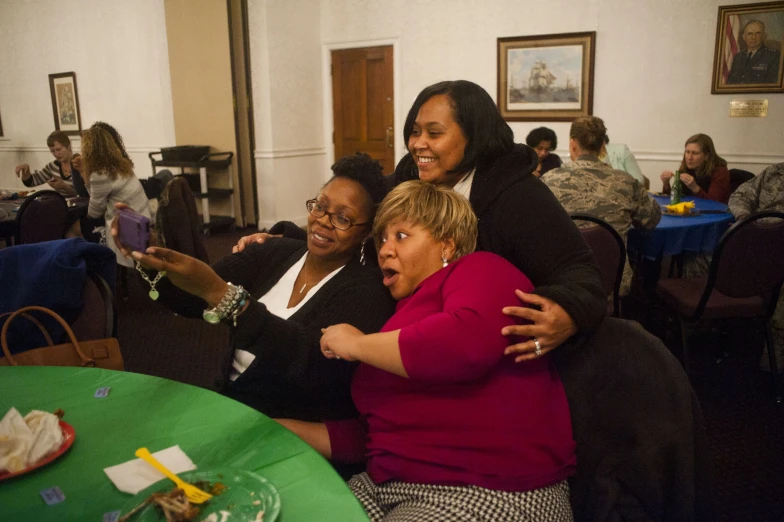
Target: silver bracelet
{"points": [[230, 305], [153, 293]]}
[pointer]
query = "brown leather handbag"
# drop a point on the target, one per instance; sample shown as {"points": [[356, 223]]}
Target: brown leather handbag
{"points": [[100, 353]]}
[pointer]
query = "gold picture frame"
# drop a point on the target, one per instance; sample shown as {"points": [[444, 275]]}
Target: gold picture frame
{"points": [[738, 27], [546, 77]]}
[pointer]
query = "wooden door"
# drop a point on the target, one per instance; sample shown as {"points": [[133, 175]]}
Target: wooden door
{"points": [[363, 104]]}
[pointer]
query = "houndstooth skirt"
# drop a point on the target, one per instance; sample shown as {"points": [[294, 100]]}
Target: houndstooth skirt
{"points": [[404, 502]]}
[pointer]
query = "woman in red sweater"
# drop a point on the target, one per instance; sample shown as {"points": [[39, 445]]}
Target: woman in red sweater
{"points": [[703, 172], [441, 426]]}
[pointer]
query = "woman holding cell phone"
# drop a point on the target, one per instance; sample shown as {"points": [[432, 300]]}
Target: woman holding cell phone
{"points": [[111, 180]]}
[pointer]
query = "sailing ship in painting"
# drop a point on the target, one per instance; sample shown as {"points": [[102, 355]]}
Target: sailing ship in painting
{"points": [[543, 87]]}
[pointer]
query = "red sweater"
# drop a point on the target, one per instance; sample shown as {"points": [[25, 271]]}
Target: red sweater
{"points": [[467, 414]]}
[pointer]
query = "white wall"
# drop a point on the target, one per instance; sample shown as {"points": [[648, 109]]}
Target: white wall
{"points": [[117, 50], [652, 78], [285, 47]]}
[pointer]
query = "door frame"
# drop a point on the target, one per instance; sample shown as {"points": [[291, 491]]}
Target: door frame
{"points": [[326, 83]]}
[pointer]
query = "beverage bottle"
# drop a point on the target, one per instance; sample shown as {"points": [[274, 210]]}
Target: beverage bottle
{"points": [[676, 190]]}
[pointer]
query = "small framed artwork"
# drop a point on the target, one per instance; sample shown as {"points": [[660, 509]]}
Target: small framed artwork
{"points": [[546, 77], [65, 103], [749, 57]]}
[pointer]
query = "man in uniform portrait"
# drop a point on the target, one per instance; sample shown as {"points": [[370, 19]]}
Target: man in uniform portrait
{"points": [[757, 63]]}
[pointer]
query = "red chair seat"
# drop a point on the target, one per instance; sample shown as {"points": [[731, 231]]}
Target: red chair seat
{"points": [[683, 296]]}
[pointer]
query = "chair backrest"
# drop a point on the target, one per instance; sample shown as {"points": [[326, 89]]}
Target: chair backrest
{"points": [[179, 222], [738, 177], [97, 319], [607, 245], [641, 446], [42, 217], [748, 261]]}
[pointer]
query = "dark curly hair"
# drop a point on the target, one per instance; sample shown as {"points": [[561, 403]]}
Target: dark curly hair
{"points": [[366, 171], [540, 134]]}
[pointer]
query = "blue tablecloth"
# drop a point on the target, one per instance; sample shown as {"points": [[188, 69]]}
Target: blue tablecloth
{"points": [[675, 234]]}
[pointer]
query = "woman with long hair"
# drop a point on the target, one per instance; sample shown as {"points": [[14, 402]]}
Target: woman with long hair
{"points": [[111, 180], [702, 171]]}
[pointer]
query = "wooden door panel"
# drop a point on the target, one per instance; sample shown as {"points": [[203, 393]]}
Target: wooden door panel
{"points": [[363, 105]]}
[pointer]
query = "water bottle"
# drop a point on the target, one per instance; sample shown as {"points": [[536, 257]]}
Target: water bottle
{"points": [[676, 190]]}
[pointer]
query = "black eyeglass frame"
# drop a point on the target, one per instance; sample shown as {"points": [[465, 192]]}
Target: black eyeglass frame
{"points": [[314, 203]]}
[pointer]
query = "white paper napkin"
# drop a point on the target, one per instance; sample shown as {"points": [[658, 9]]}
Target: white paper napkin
{"points": [[25, 441], [135, 475]]}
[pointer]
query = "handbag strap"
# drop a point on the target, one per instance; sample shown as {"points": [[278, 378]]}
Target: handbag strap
{"points": [[86, 361], [35, 322]]}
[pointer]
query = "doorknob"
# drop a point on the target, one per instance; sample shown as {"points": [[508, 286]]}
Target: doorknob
{"points": [[390, 139]]}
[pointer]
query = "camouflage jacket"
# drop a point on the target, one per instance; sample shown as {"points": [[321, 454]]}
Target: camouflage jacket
{"points": [[591, 186], [763, 192]]}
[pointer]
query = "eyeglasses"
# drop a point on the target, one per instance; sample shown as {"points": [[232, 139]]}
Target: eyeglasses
{"points": [[340, 221]]}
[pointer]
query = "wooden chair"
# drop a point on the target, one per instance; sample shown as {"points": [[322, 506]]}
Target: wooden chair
{"points": [[610, 251], [744, 280]]}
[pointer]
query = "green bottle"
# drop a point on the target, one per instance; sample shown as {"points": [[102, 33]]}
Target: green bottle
{"points": [[676, 191]]}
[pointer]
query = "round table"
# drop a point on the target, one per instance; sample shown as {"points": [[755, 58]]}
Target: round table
{"points": [[140, 410], [675, 235]]}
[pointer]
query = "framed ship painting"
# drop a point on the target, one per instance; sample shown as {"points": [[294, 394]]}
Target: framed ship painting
{"points": [[546, 77]]}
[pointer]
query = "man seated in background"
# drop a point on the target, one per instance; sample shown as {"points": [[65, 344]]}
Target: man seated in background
{"points": [[590, 185], [764, 192]]}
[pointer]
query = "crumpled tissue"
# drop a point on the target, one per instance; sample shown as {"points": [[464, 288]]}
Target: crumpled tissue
{"points": [[25, 441]]}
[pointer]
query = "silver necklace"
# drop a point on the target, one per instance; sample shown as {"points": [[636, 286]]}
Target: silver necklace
{"points": [[153, 293]]}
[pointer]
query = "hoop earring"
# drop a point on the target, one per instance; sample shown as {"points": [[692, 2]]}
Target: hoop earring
{"points": [[362, 252], [443, 259]]}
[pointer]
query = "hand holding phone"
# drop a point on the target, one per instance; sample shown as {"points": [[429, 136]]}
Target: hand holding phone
{"points": [[133, 230]]}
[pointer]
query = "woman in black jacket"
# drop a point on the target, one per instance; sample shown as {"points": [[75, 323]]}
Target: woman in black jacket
{"points": [[456, 136]]}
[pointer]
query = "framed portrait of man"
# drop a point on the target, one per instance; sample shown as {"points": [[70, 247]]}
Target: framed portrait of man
{"points": [[749, 57]]}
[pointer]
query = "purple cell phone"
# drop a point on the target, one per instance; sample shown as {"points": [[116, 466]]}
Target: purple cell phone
{"points": [[134, 230]]}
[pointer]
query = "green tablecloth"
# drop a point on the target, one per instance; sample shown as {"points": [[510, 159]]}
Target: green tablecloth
{"points": [[140, 410]]}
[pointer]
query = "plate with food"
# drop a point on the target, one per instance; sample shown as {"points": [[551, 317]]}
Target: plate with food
{"points": [[237, 496], [69, 435], [686, 213]]}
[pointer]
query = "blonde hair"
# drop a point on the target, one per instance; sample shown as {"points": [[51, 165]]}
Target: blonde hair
{"points": [[441, 211], [100, 153]]}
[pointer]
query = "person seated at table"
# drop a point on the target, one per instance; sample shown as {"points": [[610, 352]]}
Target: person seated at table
{"points": [[619, 157], [703, 172], [590, 185], [762, 193], [62, 174], [296, 288], [451, 428], [111, 180], [543, 140]]}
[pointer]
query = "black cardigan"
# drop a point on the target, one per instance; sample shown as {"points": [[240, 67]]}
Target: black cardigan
{"points": [[290, 378], [520, 220]]}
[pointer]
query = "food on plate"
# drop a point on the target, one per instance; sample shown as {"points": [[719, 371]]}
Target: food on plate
{"points": [[26, 440], [175, 505], [683, 208]]}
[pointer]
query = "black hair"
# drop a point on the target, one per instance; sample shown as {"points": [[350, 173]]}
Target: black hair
{"points": [[366, 171], [487, 135], [540, 134], [115, 136]]}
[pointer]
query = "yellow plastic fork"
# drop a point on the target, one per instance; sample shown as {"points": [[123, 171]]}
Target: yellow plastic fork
{"points": [[194, 494]]}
